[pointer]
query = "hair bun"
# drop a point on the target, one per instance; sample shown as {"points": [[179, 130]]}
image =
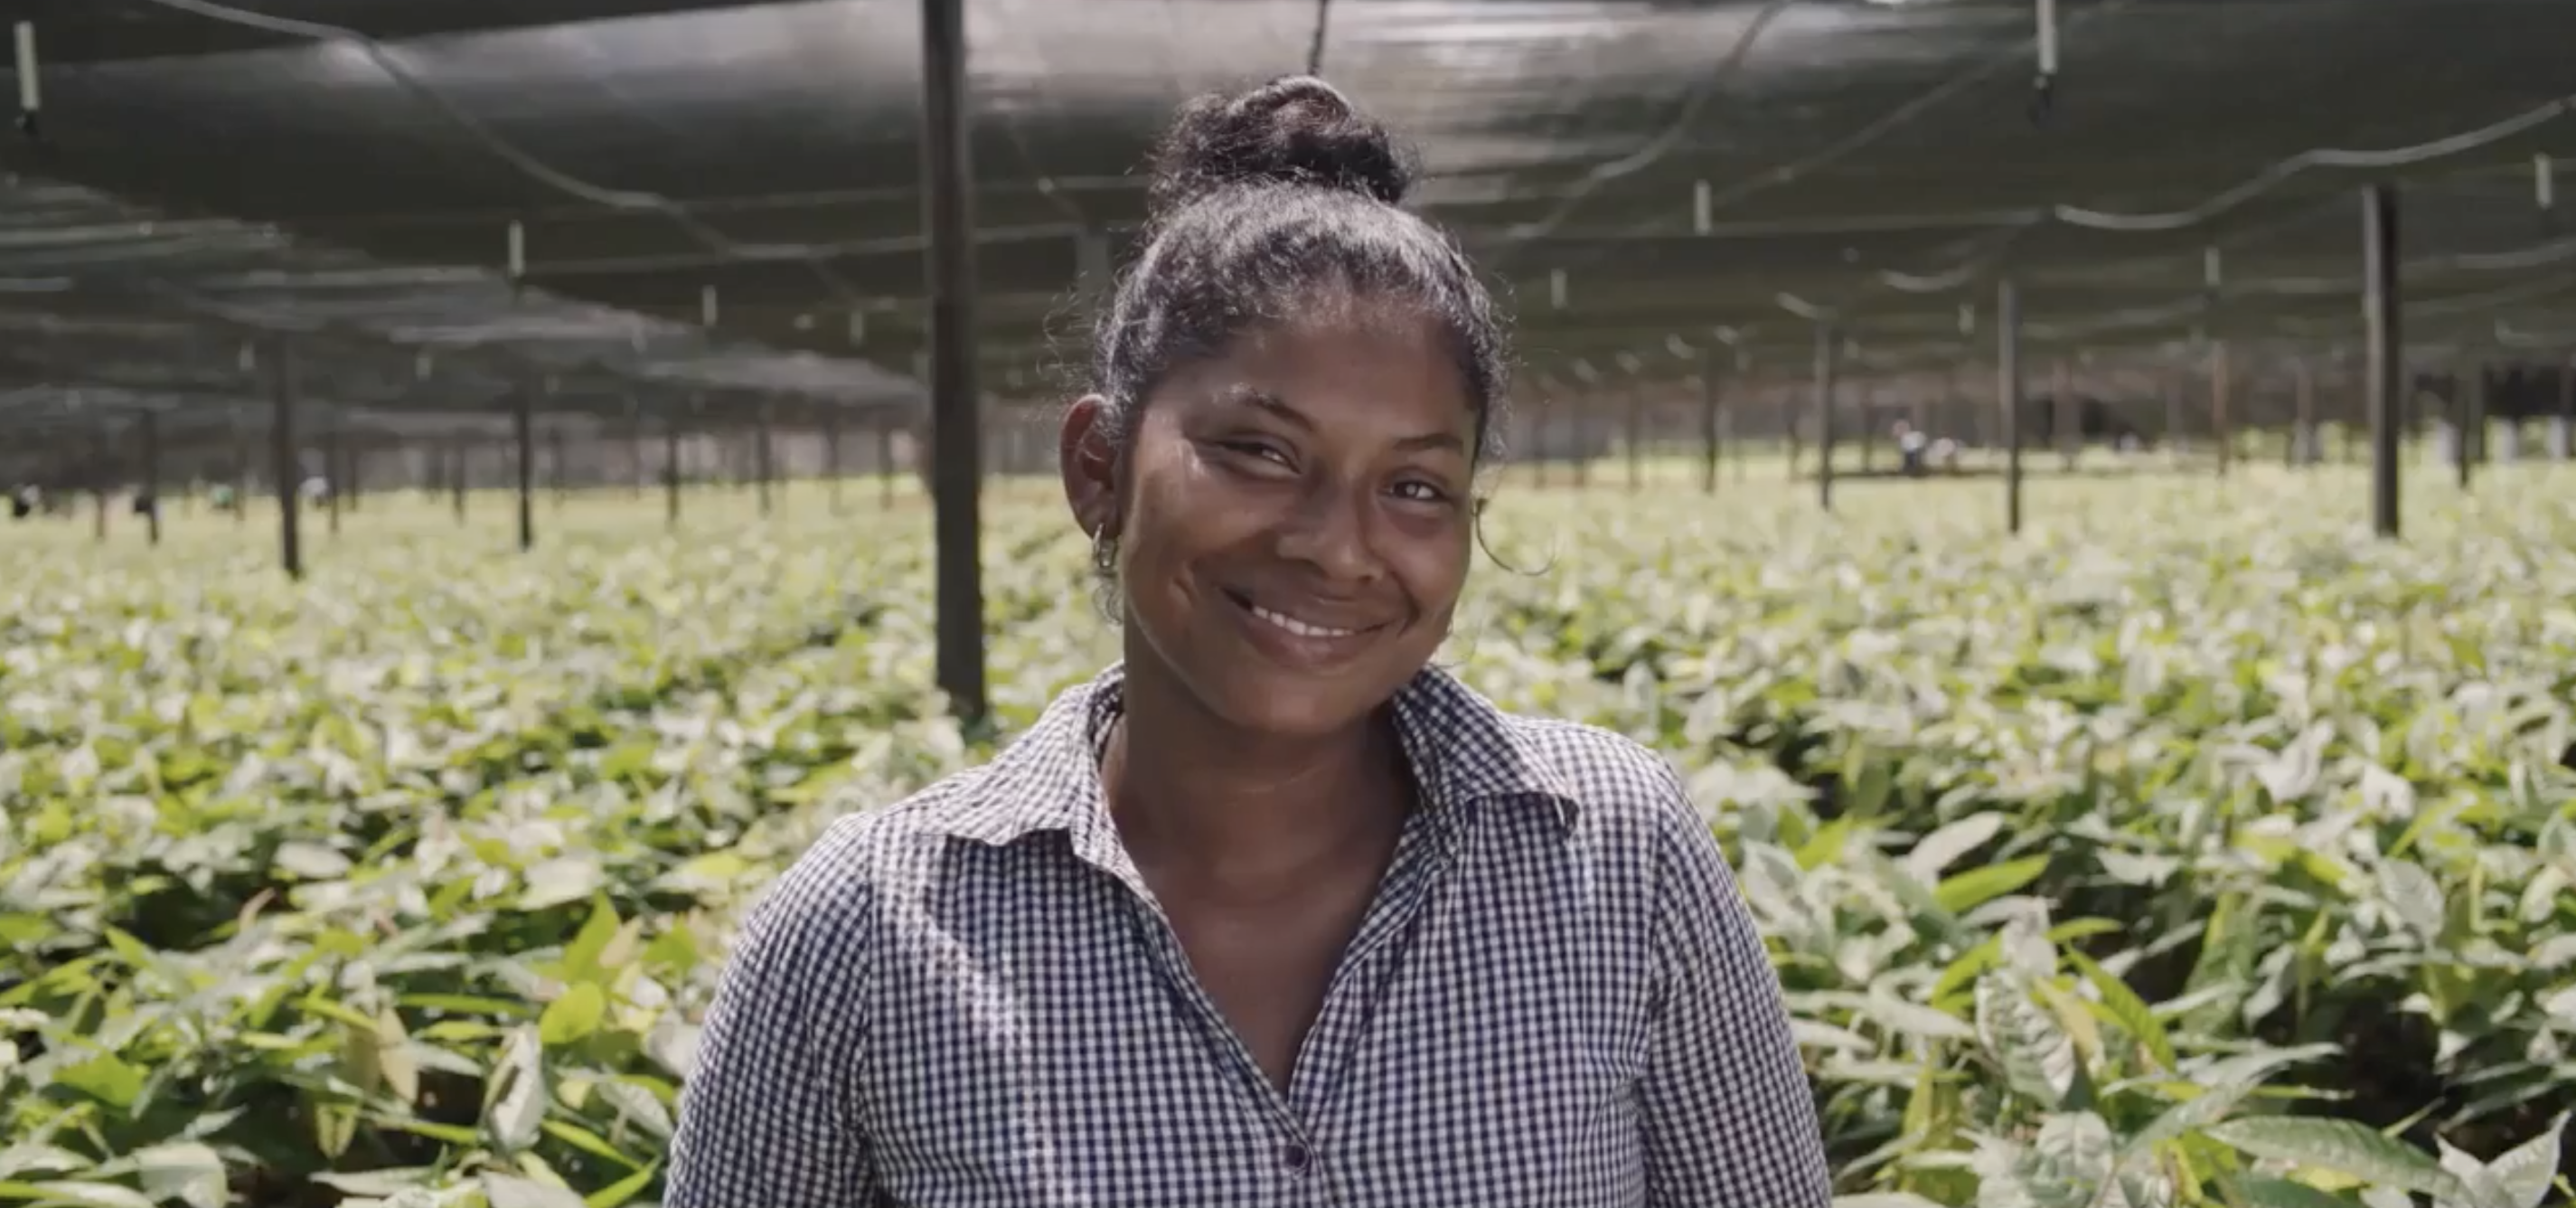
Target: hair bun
{"points": [[1296, 130]]}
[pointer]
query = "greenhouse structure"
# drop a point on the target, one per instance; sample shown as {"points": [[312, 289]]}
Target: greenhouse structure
{"points": [[412, 244]]}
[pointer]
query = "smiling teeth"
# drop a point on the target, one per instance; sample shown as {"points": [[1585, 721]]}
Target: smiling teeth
{"points": [[1300, 628]]}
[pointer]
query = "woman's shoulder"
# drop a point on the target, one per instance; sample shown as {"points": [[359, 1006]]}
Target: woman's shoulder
{"points": [[1612, 776], [858, 855], [893, 850], [1613, 783]]}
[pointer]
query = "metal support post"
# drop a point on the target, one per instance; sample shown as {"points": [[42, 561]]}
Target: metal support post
{"points": [[1712, 437], [2382, 313], [1825, 416], [763, 453], [2303, 450], [523, 428], [1636, 435], [1728, 407], [152, 474], [2008, 396], [635, 471], [832, 459], [671, 469], [2064, 418], [334, 469], [2171, 384], [2219, 382], [2469, 404], [281, 458], [241, 474], [2562, 426], [953, 395]]}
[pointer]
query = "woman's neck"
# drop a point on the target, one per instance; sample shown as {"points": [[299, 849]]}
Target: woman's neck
{"points": [[1239, 813]]}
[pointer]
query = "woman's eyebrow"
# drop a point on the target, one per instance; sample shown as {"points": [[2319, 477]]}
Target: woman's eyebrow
{"points": [[1254, 396]]}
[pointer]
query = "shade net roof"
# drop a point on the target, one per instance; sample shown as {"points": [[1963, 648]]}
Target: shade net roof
{"points": [[113, 310], [721, 200]]}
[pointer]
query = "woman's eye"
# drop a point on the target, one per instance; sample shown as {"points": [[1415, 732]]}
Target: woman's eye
{"points": [[1419, 491], [1254, 448]]}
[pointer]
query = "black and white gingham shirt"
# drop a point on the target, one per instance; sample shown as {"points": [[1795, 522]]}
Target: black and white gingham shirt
{"points": [[969, 998]]}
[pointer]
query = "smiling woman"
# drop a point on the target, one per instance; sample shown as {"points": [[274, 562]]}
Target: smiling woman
{"points": [[1273, 911]]}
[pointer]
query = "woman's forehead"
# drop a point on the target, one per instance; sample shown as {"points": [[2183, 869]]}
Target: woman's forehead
{"points": [[1319, 368]]}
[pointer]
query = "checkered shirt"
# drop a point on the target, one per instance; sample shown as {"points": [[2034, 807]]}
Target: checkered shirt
{"points": [[1557, 1000]]}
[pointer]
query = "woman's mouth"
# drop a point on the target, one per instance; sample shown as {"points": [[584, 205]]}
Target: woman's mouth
{"points": [[1304, 627]]}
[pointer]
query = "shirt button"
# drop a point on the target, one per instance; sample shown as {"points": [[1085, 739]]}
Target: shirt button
{"points": [[1297, 1158]]}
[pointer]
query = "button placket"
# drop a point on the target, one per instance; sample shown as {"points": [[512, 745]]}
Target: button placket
{"points": [[1370, 967]]}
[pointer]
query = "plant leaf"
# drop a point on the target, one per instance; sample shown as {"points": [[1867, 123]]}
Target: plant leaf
{"points": [[1976, 887], [2342, 1146]]}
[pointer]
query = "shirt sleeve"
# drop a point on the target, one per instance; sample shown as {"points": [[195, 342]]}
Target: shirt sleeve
{"points": [[1729, 1119], [765, 1118]]}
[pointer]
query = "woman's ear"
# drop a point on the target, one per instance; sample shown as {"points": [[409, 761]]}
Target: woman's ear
{"points": [[1089, 466]]}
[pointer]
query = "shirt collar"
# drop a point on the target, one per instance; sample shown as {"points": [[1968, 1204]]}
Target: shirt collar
{"points": [[1464, 751]]}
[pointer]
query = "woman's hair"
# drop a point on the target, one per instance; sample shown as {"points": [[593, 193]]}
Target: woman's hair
{"points": [[1259, 201]]}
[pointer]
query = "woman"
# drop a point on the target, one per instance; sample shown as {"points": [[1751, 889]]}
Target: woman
{"points": [[1273, 912]]}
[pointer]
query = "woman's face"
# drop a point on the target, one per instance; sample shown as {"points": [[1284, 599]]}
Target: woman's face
{"points": [[1297, 517]]}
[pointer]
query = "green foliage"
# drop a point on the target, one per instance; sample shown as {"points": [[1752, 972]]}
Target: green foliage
{"points": [[2190, 851]]}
